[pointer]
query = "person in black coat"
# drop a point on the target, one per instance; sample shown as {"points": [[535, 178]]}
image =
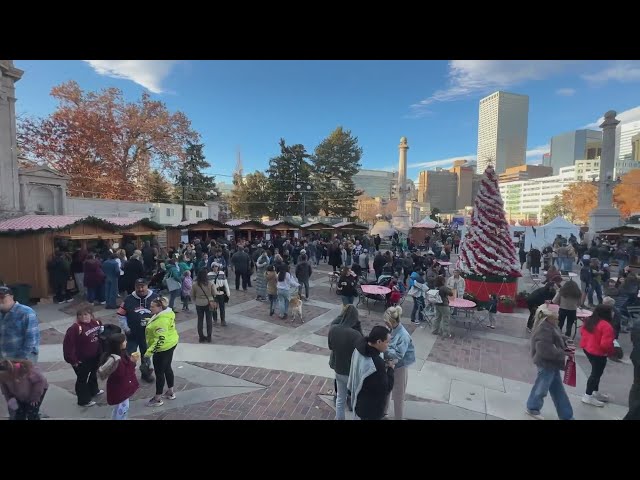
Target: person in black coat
{"points": [[540, 296], [371, 399], [133, 269], [634, 393], [59, 274], [534, 260], [523, 256]]}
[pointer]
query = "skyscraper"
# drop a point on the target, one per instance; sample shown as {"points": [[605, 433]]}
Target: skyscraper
{"points": [[625, 132], [502, 131], [568, 147]]}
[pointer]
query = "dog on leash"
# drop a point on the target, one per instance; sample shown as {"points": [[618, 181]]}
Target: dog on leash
{"points": [[296, 308]]}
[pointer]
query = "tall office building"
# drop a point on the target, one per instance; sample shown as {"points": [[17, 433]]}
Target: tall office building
{"points": [[375, 183], [449, 190], [502, 131], [625, 134], [568, 147]]}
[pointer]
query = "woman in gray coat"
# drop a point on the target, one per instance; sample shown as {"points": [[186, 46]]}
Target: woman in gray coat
{"points": [[261, 281]]}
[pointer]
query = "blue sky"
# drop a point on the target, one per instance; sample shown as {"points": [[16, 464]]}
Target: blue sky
{"points": [[250, 105]]}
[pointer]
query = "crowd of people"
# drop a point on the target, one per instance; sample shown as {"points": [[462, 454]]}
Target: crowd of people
{"points": [[370, 370]]}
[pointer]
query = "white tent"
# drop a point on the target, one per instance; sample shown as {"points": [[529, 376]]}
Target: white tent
{"points": [[427, 222], [383, 228], [559, 226]]}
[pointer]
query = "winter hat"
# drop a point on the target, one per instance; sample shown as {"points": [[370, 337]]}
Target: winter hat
{"points": [[606, 265], [542, 313], [586, 257]]}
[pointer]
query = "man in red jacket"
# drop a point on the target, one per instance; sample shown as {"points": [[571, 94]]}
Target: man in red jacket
{"points": [[81, 349]]}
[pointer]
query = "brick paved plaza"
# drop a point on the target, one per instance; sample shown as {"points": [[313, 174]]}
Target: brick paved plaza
{"points": [[261, 367]]}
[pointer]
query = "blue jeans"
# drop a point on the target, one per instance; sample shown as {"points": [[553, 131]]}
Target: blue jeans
{"points": [[283, 301], [95, 294], [111, 291], [341, 399], [549, 381], [347, 300], [597, 288], [621, 264], [417, 303], [172, 297], [121, 411]]}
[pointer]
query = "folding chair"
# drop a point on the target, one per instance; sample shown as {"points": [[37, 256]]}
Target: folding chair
{"points": [[536, 280]]}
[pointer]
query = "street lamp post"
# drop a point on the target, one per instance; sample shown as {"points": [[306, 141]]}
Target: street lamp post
{"points": [[303, 188], [184, 188]]}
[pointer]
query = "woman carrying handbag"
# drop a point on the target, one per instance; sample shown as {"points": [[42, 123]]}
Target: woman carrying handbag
{"points": [[203, 295]]}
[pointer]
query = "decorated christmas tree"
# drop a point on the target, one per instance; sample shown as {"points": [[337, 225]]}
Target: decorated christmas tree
{"points": [[487, 249]]}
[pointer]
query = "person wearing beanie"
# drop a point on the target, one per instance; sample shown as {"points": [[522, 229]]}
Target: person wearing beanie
{"points": [[402, 354]]}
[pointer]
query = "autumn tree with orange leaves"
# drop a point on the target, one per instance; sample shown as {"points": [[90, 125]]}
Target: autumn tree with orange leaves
{"points": [[625, 195], [579, 199], [108, 146]]}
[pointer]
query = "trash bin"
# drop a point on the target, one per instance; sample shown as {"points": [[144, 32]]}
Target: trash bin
{"points": [[21, 293]]}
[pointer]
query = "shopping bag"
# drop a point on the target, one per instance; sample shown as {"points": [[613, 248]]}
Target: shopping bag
{"points": [[570, 372]]}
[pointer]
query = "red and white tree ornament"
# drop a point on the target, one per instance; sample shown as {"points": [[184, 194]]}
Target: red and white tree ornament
{"points": [[487, 248]]}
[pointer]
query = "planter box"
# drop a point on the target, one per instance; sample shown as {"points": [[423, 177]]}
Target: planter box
{"points": [[502, 308], [482, 288]]}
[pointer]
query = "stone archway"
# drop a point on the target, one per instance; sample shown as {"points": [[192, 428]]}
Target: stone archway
{"points": [[41, 200]]}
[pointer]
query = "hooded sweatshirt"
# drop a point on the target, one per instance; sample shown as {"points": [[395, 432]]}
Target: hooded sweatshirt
{"points": [[81, 342], [161, 333], [370, 381], [344, 333], [26, 390]]}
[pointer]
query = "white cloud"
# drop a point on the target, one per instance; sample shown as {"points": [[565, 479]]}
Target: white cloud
{"points": [[627, 116], [622, 71], [446, 162], [147, 73], [535, 154], [467, 77], [566, 92]]}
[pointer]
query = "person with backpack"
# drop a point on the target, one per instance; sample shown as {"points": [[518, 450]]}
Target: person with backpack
{"points": [[81, 349], [119, 368], [222, 293], [443, 312], [596, 281], [203, 295]]}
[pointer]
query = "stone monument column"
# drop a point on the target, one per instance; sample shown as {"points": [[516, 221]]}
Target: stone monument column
{"points": [[9, 185], [401, 220], [605, 215]]}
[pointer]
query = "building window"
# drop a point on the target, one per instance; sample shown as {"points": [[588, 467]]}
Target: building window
{"points": [[170, 212], [198, 214]]}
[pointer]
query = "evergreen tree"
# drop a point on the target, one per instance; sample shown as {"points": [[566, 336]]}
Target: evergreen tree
{"points": [[487, 248], [285, 172], [198, 187], [158, 188], [336, 160], [250, 198]]}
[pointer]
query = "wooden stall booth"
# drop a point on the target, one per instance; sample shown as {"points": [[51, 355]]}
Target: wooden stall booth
{"points": [[351, 228], [420, 231], [247, 229], [28, 243], [206, 230], [282, 228], [324, 230], [630, 234]]}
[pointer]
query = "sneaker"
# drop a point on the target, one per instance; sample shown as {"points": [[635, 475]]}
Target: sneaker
{"points": [[100, 392], [103, 303], [90, 404], [169, 397], [528, 330], [435, 332], [70, 300], [602, 397], [155, 403], [591, 400], [534, 414]]}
